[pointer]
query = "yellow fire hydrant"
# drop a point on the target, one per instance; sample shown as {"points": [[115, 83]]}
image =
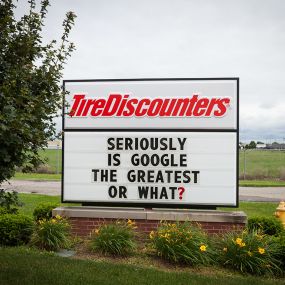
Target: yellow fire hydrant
{"points": [[280, 212]]}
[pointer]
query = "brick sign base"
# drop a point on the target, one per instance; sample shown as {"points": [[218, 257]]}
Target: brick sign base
{"points": [[85, 219]]}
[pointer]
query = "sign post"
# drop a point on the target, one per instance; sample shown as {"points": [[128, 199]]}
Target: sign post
{"points": [[153, 143]]}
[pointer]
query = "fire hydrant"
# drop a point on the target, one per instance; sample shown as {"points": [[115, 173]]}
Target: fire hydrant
{"points": [[280, 213]]}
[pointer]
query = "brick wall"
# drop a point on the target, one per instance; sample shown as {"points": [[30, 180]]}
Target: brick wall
{"points": [[83, 226]]}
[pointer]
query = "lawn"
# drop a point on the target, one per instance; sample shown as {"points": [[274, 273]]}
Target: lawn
{"points": [[250, 208], [253, 209], [32, 200], [259, 163], [36, 176], [53, 157], [263, 168], [262, 164], [24, 266], [261, 183]]}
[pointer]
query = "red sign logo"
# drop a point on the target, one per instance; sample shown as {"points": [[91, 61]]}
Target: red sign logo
{"points": [[117, 105]]}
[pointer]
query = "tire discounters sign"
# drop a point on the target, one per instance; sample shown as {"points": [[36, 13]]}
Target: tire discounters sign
{"points": [[151, 142]]}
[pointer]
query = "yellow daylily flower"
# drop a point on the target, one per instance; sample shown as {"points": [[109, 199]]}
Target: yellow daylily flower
{"points": [[151, 235], [238, 241], [203, 247], [261, 250]]}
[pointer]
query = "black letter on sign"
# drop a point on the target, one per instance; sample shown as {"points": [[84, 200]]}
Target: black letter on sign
{"points": [[122, 192], [95, 171], [114, 159], [111, 144], [112, 191], [195, 175]]}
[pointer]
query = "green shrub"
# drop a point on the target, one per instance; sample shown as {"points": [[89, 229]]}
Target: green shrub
{"points": [[268, 225], [15, 229], [3, 211], [44, 211], [9, 201], [51, 234], [116, 239], [250, 251], [280, 254], [183, 243]]}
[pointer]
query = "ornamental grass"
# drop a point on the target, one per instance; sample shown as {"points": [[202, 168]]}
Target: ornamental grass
{"points": [[115, 239], [249, 251], [182, 243], [51, 234]]}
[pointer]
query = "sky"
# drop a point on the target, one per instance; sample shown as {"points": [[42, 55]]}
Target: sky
{"points": [[184, 38]]}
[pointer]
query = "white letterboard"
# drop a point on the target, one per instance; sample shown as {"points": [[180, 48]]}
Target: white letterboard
{"points": [[151, 142], [212, 157]]}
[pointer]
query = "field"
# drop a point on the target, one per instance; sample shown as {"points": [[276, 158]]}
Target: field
{"points": [[259, 164], [53, 157], [262, 167], [262, 164], [250, 208]]}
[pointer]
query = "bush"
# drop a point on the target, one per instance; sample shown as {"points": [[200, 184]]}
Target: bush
{"points": [[280, 255], [183, 243], [44, 168], [44, 211], [51, 234], [250, 252], [9, 201], [268, 225], [3, 211], [15, 229], [115, 239]]}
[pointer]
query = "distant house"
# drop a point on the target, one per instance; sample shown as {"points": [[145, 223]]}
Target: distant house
{"points": [[276, 146], [260, 145], [241, 145], [56, 144]]}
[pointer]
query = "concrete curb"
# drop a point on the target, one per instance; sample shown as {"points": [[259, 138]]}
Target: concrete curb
{"points": [[210, 216]]}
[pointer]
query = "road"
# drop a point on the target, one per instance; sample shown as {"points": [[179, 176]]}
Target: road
{"points": [[258, 194], [51, 188]]}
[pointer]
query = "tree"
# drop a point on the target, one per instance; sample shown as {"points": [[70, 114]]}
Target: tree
{"points": [[30, 91], [251, 145]]}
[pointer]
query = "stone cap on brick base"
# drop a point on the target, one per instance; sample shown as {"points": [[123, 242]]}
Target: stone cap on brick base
{"points": [[212, 216]]}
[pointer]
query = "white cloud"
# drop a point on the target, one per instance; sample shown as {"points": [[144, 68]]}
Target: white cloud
{"points": [[165, 38]]}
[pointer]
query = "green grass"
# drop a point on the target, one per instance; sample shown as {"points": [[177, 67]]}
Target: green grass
{"points": [[265, 167], [57, 177], [262, 163], [36, 176], [253, 209], [261, 183], [250, 208], [32, 200], [53, 157], [29, 267], [259, 163]]}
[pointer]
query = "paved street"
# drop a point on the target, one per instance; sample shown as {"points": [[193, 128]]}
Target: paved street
{"points": [[274, 194], [37, 187]]}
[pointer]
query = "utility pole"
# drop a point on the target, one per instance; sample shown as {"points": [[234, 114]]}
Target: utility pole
{"points": [[57, 158], [244, 163]]}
